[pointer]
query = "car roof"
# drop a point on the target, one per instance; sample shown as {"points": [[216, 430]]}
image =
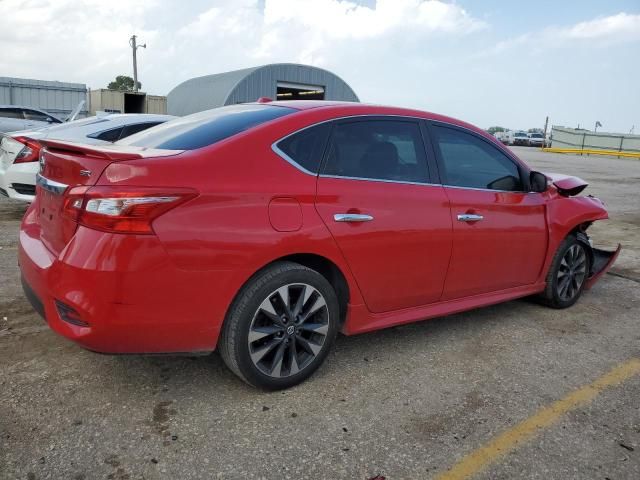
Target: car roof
{"points": [[339, 108]]}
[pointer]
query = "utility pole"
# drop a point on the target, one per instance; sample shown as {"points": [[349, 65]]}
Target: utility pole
{"points": [[134, 47], [544, 135]]}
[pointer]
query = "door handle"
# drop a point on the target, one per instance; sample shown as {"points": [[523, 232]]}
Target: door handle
{"points": [[469, 217], [352, 217]]}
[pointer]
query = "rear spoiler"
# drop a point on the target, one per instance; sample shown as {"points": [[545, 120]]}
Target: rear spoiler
{"points": [[567, 186], [114, 153]]}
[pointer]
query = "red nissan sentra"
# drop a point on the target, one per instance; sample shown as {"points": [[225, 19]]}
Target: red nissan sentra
{"points": [[263, 229]]}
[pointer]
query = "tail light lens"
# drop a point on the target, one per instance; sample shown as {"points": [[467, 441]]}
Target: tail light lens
{"points": [[30, 152], [122, 210]]}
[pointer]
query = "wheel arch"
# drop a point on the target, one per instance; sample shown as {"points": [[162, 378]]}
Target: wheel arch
{"points": [[321, 264], [328, 269]]}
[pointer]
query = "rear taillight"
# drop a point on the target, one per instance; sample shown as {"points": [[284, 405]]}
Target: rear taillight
{"points": [[30, 152], [122, 210]]}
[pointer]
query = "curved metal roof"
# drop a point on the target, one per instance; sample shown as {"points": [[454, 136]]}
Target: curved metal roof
{"points": [[247, 85]]}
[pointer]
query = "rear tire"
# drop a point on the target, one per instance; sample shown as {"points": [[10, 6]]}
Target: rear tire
{"points": [[280, 327], [568, 273]]}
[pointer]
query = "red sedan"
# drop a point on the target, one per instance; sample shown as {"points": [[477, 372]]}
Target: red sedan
{"points": [[263, 229]]}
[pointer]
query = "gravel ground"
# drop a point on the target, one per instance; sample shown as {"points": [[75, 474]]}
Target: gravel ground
{"points": [[402, 403]]}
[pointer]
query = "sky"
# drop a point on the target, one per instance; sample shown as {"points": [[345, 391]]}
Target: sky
{"points": [[488, 62]]}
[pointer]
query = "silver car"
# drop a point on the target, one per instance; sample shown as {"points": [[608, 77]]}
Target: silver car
{"points": [[14, 118]]}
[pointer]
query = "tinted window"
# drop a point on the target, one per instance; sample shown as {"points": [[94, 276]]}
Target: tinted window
{"points": [[378, 149], [11, 113], [206, 128], [38, 116], [110, 135], [137, 127], [469, 161], [306, 147]]}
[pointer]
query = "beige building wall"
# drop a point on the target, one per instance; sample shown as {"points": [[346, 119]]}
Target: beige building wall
{"points": [[113, 101]]}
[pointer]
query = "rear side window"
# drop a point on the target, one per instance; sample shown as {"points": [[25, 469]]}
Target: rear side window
{"points": [[129, 130], [379, 150], [11, 113], [305, 148], [206, 128], [469, 161], [110, 135]]}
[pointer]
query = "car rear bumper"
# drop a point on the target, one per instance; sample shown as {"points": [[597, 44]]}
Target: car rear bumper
{"points": [[121, 294], [17, 180]]}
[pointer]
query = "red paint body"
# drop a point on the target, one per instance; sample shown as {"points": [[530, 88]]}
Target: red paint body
{"points": [[170, 291]]}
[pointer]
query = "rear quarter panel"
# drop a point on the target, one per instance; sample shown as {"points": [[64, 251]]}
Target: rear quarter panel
{"points": [[226, 233]]}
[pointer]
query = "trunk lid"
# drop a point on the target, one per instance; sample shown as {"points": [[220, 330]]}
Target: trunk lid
{"points": [[64, 166]]}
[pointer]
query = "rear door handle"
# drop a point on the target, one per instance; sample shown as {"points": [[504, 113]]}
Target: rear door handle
{"points": [[469, 217], [352, 217]]}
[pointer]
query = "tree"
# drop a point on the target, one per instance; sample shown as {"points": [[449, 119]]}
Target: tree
{"points": [[493, 130], [123, 83]]}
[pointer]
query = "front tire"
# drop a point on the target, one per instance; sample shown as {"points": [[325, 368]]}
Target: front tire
{"points": [[280, 327], [568, 272]]}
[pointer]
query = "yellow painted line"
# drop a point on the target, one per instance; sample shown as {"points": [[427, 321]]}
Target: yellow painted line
{"points": [[507, 441], [577, 151]]}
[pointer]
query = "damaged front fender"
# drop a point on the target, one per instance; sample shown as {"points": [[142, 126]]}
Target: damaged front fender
{"points": [[568, 213]]}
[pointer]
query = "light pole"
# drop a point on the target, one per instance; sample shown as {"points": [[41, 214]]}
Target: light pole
{"points": [[134, 47]]}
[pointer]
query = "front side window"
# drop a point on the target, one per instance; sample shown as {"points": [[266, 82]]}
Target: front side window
{"points": [[206, 128], [37, 116], [306, 147], [377, 150], [469, 161], [137, 127]]}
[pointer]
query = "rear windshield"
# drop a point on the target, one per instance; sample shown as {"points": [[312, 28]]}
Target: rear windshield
{"points": [[205, 128]]}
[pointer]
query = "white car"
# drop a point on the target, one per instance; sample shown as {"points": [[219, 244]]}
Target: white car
{"points": [[19, 151], [15, 117], [536, 139]]}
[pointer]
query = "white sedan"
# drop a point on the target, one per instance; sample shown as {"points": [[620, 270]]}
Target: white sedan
{"points": [[19, 151]]}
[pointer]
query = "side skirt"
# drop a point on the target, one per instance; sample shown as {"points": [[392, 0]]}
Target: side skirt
{"points": [[360, 320]]}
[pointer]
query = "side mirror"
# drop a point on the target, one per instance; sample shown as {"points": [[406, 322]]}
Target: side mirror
{"points": [[538, 182]]}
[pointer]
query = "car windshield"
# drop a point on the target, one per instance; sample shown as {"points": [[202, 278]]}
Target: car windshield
{"points": [[205, 128], [536, 135], [521, 134]]}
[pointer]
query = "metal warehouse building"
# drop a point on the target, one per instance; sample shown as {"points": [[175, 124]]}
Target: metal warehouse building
{"points": [[282, 81], [57, 98]]}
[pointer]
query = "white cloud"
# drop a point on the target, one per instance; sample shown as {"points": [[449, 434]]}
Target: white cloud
{"points": [[620, 27], [599, 32], [430, 54]]}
